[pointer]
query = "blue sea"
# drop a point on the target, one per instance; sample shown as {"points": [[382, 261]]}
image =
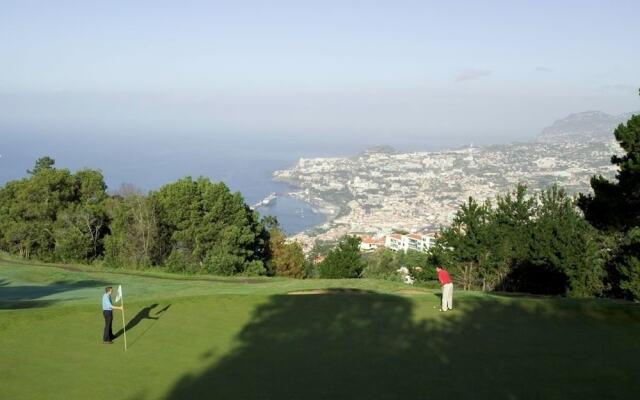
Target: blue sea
{"points": [[244, 168], [149, 161], [254, 181]]}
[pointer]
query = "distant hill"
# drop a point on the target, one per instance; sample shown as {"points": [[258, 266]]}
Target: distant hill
{"points": [[581, 126], [382, 149]]}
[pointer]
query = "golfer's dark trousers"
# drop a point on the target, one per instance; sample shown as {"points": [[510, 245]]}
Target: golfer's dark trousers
{"points": [[108, 319]]}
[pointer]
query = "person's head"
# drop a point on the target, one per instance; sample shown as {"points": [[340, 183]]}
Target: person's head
{"points": [[108, 289], [438, 268]]}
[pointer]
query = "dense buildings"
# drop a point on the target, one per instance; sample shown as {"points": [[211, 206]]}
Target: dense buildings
{"points": [[382, 191]]}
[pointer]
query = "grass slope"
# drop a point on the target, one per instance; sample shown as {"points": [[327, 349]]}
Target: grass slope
{"points": [[248, 339]]}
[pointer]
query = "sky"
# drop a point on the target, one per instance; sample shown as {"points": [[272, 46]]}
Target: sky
{"points": [[327, 77]]}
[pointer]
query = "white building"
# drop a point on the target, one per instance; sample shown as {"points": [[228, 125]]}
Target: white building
{"points": [[368, 243], [411, 241]]}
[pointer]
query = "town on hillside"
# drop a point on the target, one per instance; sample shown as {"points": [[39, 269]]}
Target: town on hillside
{"points": [[381, 190]]}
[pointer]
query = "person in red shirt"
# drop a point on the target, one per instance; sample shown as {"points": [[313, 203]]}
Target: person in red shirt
{"points": [[447, 288]]}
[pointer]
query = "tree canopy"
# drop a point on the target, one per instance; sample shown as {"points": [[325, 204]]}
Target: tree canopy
{"points": [[615, 205], [189, 225], [54, 214], [614, 208], [531, 243], [344, 261]]}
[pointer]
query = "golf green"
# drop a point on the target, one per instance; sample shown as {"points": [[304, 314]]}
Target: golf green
{"points": [[221, 338]]}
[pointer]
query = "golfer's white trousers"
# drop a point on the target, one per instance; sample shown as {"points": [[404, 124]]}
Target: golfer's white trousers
{"points": [[447, 297]]}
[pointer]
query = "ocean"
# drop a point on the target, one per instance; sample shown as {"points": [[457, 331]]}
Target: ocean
{"points": [[151, 165], [254, 180]]}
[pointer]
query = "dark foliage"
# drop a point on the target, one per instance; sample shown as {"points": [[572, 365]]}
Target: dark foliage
{"points": [[190, 225]]}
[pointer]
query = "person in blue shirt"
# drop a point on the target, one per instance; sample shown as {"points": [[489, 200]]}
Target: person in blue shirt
{"points": [[107, 312]]}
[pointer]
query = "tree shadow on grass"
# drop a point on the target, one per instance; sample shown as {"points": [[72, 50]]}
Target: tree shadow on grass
{"points": [[31, 296], [374, 346]]}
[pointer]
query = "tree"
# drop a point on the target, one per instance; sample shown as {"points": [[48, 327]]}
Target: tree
{"points": [[78, 233], [71, 243], [318, 252], [566, 257], [30, 208], [211, 229], [466, 237], [511, 223], [91, 212], [532, 244], [422, 266], [42, 164], [54, 214], [134, 239], [344, 261], [614, 208], [628, 265], [382, 264], [287, 259]]}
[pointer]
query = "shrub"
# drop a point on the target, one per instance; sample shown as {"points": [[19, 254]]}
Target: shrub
{"points": [[344, 261]]}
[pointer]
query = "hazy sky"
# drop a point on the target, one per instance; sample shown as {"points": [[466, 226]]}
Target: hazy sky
{"points": [[333, 74]]}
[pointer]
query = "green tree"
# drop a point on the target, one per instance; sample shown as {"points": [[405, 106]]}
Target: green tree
{"points": [[614, 208], [381, 264], [287, 259], [211, 229], [534, 244], [566, 256], [42, 164], [628, 264], [135, 238], [467, 238], [423, 266], [31, 207], [344, 261], [319, 251], [509, 233], [53, 214], [77, 234]]}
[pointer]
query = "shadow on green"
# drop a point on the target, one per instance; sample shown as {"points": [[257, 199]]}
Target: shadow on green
{"points": [[338, 345], [30, 296]]}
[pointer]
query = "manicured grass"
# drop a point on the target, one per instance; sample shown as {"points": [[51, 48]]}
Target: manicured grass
{"points": [[250, 339]]}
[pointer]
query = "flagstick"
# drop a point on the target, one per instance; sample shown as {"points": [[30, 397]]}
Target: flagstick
{"points": [[124, 327]]}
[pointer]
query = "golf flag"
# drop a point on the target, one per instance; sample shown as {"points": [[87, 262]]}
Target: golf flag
{"points": [[119, 294], [124, 327]]}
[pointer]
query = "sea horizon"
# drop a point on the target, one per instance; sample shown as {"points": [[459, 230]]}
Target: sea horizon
{"points": [[244, 166]]}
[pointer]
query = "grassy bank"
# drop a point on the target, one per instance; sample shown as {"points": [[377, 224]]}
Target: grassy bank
{"points": [[193, 337]]}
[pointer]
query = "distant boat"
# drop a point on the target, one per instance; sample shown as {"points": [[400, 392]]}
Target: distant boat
{"points": [[267, 200]]}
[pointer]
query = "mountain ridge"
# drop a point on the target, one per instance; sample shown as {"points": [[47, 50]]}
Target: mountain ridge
{"points": [[583, 125]]}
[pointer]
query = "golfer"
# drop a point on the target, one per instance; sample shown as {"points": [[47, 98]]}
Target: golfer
{"points": [[447, 288], [107, 312]]}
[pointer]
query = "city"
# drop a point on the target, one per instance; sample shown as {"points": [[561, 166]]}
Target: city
{"points": [[382, 191]]}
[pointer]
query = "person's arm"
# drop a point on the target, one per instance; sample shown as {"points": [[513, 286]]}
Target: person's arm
{"points": [[114, 307]]}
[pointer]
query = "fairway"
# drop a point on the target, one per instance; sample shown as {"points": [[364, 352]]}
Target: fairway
{"points": [[217, 338]]}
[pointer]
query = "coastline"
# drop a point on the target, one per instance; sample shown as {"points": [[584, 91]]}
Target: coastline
{"points": [[325, 231], [329, 211], [421, 191], [295, 212]]}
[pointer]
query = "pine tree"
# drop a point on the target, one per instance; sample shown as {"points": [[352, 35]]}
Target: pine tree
{"points": [[615, 206]]}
